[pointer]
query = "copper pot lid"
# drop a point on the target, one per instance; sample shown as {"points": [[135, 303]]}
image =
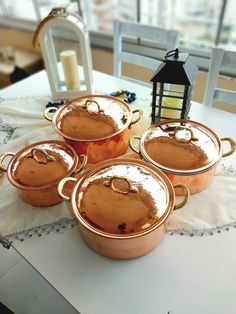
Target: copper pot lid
{"points": [[181, 146], [123, 197], [93, 117], [42, 164]]}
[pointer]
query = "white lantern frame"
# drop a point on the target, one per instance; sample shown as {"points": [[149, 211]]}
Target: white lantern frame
{"points": [[59, 17]]}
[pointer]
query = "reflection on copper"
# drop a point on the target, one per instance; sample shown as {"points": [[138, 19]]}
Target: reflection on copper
{"points": [[29, 172], [118, 213], [194, 147], [78, 122]]}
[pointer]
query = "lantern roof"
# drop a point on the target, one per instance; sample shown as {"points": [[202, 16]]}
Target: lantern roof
{"points": [[175, 69]]}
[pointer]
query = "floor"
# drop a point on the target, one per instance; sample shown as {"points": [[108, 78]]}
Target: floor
{"points": [[24, 291]]}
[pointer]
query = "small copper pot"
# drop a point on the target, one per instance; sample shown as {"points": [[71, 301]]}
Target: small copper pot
{"points": [[122, 206], [185, 150], [96, 125], [36, 170]]}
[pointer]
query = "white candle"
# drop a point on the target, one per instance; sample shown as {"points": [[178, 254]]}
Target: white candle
{"points": [[70, 69], [171, 102]]}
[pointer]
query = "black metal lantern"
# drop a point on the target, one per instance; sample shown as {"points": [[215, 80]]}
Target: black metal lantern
{"points": [[176, 77]]}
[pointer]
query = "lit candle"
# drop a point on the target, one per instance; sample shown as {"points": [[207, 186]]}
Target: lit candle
{"points": [[70, 69], [171, 102]]}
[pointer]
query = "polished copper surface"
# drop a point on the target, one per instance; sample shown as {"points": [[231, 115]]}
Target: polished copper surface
{"points": [[95, 125], [42, 164], [117, 208], [195, 183], [36, 170], [123, 248], [122, 197], [193, 145], [185, 150], [122, 206], [100, 150], [93, 117]]}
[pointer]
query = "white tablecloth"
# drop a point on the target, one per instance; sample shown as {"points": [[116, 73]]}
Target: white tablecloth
{"points": [[22, 124]]}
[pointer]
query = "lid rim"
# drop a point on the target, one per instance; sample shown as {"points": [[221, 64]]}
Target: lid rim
{"points": [[178, 171], [121, 237], [89, 172], [125, 126], [50, 184], [186, 172]]}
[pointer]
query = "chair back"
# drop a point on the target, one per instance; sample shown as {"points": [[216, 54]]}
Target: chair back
{"points": [[167, 38], [220, 59]]}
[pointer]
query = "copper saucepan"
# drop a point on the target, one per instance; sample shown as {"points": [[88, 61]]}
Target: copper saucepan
{"points": [[36, 170], [185, 150], [122, 206], [95, 125]]}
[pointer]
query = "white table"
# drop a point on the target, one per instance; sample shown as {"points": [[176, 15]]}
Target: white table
{"points": [[182, 275]]}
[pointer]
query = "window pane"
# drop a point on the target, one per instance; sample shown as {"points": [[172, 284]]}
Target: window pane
{"points": [[17, 9], [228, 33], [99, 14], [196, 20], [45, 6]]}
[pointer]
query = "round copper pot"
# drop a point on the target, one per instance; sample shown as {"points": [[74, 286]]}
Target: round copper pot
{"points": [[36, 170], [96, 125], [122, 206], [185, 150]]}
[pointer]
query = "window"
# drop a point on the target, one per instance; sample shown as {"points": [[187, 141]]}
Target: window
{"points": [[15, 9], [99, 14], [196, 20], [201, 23]]}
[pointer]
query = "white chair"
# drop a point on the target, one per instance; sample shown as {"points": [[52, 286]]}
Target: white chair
{"points": [[168, 39], [220, 58]]}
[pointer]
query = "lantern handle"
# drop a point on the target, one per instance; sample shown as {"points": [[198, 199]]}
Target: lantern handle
{"points": [[55, 12], [174, 52]]}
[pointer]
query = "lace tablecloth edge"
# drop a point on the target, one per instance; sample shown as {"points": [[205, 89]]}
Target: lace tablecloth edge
{"points": [[59, 226], [66, 223]]}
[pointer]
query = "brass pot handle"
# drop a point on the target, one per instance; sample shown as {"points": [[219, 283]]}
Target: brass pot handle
{"points": [[181, 128], [110, 183], [131, 145], [2, 157], [89, 102], [232, 146], [47, 111], [185, 195], [83, 164], [140, 114], [61, 185], [33, 155]]}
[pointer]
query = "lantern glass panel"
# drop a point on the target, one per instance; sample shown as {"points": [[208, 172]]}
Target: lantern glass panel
{"points": [[65, 55], [171, 101]]}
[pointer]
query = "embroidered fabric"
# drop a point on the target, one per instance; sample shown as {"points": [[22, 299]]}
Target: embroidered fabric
{"points": [[209, 212], [6, 132], [18, 219]]}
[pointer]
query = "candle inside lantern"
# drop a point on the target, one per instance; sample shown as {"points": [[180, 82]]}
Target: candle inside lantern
{"points": [[70, 69], [171, 102]]}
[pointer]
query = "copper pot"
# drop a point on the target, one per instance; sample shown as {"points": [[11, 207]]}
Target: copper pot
{"points": [[185, 150], [36, 170], [96, 125], [122, 206]]}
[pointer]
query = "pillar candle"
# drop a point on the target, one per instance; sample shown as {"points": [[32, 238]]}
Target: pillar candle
{"points": [[70, 69], [171, 102]]}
